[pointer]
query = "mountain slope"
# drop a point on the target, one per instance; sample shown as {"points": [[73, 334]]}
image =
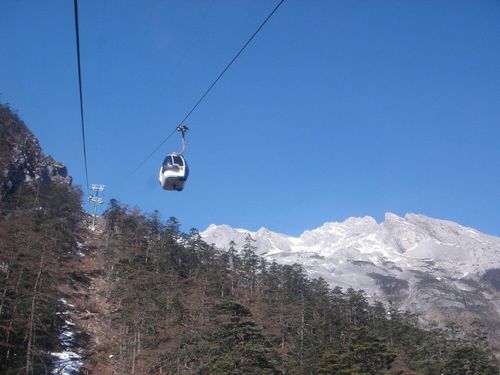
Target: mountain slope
{"points": [[40, 216], [437, 268]]}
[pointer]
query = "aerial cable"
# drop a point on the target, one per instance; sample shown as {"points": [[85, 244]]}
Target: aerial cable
{"points": [[209, 87], [81, 93]]}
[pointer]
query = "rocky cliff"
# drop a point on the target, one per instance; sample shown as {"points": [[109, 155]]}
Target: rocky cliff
{"points": [[21, 158]]}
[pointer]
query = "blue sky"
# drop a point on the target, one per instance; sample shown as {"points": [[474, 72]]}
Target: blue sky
{"points": [[337, 108]]}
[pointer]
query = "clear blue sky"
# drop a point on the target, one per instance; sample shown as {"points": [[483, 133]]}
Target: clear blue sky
{"points": [[337, 109]]}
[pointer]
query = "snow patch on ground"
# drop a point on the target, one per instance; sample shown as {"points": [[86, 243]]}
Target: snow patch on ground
{"points": [[4, 267], [68, 361], [80, 248], [65, 303]]}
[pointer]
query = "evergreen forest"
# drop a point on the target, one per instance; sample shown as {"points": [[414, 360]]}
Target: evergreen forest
{"points": [[177, 305]]}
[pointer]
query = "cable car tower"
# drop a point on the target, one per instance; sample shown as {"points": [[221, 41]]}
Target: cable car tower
{"points": [[95, 199]]}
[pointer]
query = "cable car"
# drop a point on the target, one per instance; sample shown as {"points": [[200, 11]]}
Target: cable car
{"points": [[174, 170]]}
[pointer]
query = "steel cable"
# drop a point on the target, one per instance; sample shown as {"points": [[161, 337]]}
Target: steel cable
{"points": [[77, 31], [209, 88]]}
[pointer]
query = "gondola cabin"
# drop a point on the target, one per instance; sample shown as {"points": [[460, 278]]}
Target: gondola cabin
{"points": [[174, 172]]}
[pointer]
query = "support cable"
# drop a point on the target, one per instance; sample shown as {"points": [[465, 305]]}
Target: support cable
{"points": [[81, 93], [209, 88]]}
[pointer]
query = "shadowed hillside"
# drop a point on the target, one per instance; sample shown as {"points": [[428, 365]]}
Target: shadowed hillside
{"points": [[40, 219]]}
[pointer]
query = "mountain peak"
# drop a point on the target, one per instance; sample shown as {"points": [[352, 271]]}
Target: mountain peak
{"points": [[423, 264], [405, 241], [389, 216], [363, 220]]}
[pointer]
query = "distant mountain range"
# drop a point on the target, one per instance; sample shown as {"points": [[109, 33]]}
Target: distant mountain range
{"points": [[440, 269]]}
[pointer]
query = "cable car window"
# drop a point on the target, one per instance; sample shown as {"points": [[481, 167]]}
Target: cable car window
{"points": [[178, 160], [168, 160]]}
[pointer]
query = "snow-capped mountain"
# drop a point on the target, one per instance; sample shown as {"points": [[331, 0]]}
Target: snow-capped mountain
{"points": [[435, 267]]}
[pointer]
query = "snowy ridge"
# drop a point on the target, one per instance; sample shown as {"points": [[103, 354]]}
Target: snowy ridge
{"points": [[415, 260], [406, 241]]}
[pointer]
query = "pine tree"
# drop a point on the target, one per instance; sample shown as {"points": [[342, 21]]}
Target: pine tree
{"points": [[250, 262], [367, 354], [237, 346], [469, 360]]}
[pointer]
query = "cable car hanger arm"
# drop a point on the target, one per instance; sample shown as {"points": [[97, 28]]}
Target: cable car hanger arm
{"points": [[183, 129]]}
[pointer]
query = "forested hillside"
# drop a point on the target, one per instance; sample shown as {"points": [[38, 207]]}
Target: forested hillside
{"points": [[40, 217], [142, 297], [38, 229], [182, 306]]}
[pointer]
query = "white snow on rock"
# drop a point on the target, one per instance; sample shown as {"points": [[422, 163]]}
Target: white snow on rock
{"points": [[414, 259]]}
